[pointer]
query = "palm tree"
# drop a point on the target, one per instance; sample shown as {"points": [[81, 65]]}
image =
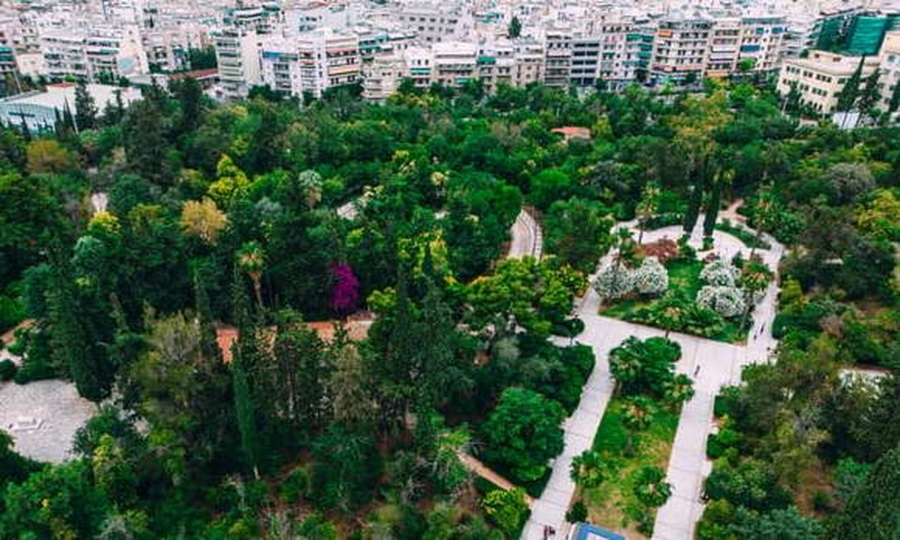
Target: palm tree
{"points": [[648, 206], [251, 259], [310, 183]]}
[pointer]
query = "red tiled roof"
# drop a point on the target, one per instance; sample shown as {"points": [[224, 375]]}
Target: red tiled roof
{"points": [[357, 330]]}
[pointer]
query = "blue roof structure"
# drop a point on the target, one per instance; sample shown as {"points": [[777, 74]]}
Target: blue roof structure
{"points": [[586, 531]]}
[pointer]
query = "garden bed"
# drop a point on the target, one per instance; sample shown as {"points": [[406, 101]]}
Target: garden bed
{"points": [[684, 281], [613, 503]]}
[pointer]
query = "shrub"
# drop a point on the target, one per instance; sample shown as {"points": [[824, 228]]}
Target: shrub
{"points": [[726, 301], [578, 513], [718, 443], [651, 278], [719, 273], [663, 220], [663, 249], [7, 370], [650, 486], [507, 509], [614, 281], [295, 486]]}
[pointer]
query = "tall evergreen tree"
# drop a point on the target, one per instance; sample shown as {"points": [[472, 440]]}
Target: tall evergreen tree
{"points": [[243, 351], [515, 28], [145, 142], [850, 93], [85, 107], [190, 96]]}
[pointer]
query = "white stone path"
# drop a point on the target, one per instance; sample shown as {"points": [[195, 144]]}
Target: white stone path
{"points": [[719, 364]]}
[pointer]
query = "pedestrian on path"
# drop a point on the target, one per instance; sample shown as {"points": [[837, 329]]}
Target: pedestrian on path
{"points": [[697, 370]]}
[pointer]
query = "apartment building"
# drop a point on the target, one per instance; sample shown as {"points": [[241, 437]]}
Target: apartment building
{"points": [[557, 58], [419, 66], [724, 47], [584, 62], [529, 62], [100, 54], [821, 76], [762, 43], [381, 77], [7, 50], [237, 53], [495, 64], [680, 50], [434, 23], [455, 63], [310, 63], [890, 70]]}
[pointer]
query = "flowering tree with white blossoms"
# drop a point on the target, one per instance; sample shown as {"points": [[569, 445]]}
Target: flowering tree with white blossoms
{"points": [[719, 273], [652, 277], [726, 301], [614, 281]]}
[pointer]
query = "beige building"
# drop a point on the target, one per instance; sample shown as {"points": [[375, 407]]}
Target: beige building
{"points": [[821, 76], [890, 69]]}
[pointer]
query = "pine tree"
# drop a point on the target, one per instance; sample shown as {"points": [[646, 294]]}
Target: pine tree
{"points": [[145, 142], [850, 93], [72, 348], [85, 108], [515, 28], [894, 104], [242, 350], [870, 93]]}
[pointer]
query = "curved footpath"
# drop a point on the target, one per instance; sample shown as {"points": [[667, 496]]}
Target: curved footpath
{"points": [[719, 364]]}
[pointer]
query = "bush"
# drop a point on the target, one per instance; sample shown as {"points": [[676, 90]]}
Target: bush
{"points": [[726, 301], [614, 281], [651, 278], [507, 509], [578, 513], [719, 273], [718, 443], [663, 220], [7, 370], [295, 486]]}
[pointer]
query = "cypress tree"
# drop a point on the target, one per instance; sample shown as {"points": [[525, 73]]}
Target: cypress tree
{"points": [[873, 511], [242, 349], [85, 107], [850, 93]]}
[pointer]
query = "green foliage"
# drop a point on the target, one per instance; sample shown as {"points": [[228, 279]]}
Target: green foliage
{"points": [[523, 433], [578, 232], [7, 370], [752, 484], [507, 509], [644, 367], [650, 486], [344, 470], [871, 511]]}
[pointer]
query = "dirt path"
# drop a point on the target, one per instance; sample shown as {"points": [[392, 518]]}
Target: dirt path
{"points": [[477, 467]]}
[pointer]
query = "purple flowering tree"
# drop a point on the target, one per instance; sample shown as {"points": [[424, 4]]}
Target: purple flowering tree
{"points": [[345, 293]]}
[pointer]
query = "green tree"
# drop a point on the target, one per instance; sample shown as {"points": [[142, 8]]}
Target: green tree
{"points": [[644, 367], [515, 28], [872, 511], [344, 470], [870, 94], [251, 259], [647, 206], [650, 486], [85, 107], [145, 142], [507, 509], [578, 232], [850, 93], [523, 432]]}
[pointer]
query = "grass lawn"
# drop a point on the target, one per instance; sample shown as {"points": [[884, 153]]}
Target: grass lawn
{"points": [[684, 276], [608, 505]]}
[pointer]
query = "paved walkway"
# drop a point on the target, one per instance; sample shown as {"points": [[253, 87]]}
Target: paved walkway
{"points": [[527, 237], [719, 364]]}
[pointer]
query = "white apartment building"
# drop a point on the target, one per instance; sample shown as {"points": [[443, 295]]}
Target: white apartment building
{"points": [[821, 76], [454, 63], [724, 47], [237, 53], [419, 65], [100, 54], [557, 58], [680, 49], [381, 77], [7, 49], [496, 62], [311, 63], [762, 42], [433, 23]]}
